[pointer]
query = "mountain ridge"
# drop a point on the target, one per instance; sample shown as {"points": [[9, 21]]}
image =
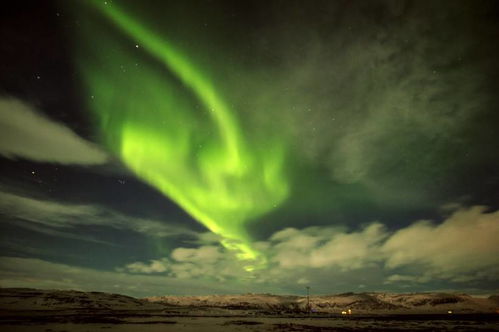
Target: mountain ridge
{"points": [[357, 303]]}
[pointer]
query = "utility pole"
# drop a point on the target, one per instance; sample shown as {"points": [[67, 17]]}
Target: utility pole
{"points": [[308, 299]]}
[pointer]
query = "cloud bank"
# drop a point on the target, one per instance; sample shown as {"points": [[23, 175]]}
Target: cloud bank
{"points": [[459, 253], [28, 134], [461, 249], [63, 218], [23, 272]]}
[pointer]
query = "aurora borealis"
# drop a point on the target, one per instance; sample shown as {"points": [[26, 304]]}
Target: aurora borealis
{"points": [[212, 146], [203, 163]]}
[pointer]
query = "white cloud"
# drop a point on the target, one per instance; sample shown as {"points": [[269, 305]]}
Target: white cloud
{"points": [[460, 251], [205, 262], [50, 216], [394, 278], [28, 134], [303, 281], [350, 250], [467, 241], [37, 273], [205, 254], [327, 246], [154, 266], [189, 263], [462, 248]]}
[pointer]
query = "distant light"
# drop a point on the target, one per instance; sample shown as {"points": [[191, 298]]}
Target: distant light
{"points": [[343, 312], [349, 311], [449, 311]]}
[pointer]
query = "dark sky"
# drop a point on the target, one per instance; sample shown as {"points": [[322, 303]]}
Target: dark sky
{"points": [[157, 147]]}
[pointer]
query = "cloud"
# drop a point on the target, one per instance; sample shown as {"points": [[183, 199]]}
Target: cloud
{"points": [[465, 242], [462, 248], [458, 253], [303, 281], [394, 278], [61, 219], [383, 101], [26, 133], [154, 266], [329, 247], [37, 273], [186, 262], [207, 261], [205, 254]]}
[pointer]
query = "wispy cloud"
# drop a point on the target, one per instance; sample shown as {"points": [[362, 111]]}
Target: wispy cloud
{"points": [[61, 219], [28, 134]]}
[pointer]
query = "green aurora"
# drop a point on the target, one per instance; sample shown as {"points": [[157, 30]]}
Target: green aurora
{"points": [[349, 146], [178, 133]]}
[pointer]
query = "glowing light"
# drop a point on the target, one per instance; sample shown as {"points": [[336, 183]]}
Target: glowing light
{"points": [[197, 156]]}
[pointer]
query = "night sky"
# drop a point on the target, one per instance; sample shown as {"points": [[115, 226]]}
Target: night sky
{"points": [[209, 147]]}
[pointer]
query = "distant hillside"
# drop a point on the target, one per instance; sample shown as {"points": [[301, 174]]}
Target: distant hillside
{"points": [[362, 303], [36, 299], [365, 303]]}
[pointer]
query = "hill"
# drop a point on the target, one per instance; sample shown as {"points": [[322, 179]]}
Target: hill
{"points": [[358, 303], [362, 303], [37, 299]]}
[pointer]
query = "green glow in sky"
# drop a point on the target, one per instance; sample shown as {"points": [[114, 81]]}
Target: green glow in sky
{"points": [[175, 131]]}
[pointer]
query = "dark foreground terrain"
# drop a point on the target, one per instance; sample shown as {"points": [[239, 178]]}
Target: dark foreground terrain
{"points": [[58, 311], [152, 322]]}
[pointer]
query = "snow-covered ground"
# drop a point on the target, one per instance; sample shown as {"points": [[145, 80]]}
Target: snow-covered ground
{"points": [[26, 310], [363, 303]]}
